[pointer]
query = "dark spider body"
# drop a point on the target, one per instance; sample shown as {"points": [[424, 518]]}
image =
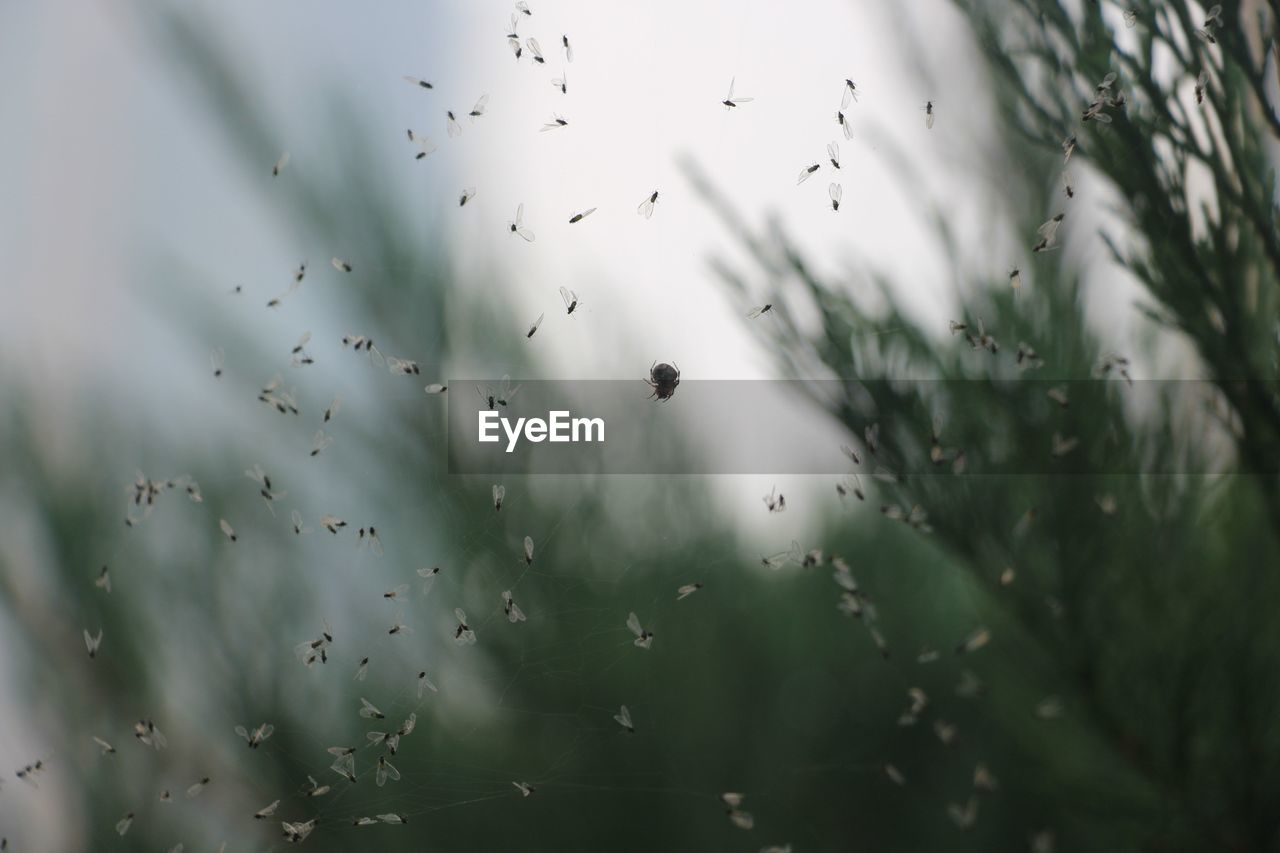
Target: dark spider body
{"points": [[663, 379]]}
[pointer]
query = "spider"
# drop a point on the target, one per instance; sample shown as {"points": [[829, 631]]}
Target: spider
{"points": [[663, 379]]}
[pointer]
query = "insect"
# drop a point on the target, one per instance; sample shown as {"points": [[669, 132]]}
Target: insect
{"points": [[107, 749], [730, 101], [499, 494], [227, 530], [436, 388], [266, 811], [1015, 278], [194, 790], [279, 167], [1048, 234], [513, 41], [687, 590], [663, 379], [836, 192], [963, 816], [516, 226], [296, 833], [478, 109], [397, 593], [1062, 446], [319, 442], [149, 734], [645, 208], [255, 738], [983, 340], [466, 196], [1105, 86], [362, 670], [644, 639], [1206, 36], [623, 718], [509, 607], [1094, 112], [845, 126], [216, 360], [794, 554], [425, 683], [344, 765], [1201, 82], [339, 264], [570, 300], [895, 775], [833, 152], [739, 818], [463, 635], [398, 626], [535, 50], [759, 311], [979, 638], [1068, 147], [331, 410], [123, 824], [1027, 357], [91, 642], [528, 550], [928, 114], [370, 711], [556, 123], [525, 788], [314, 788], [534, 328], [417, 82], [561, 83], [807, 172], [1067, 188], [428, 576], [451, 126], [775, 502], [1059, 396], [425, 145], [849, 94], [578, 217], [523, 7], [568, 48]]}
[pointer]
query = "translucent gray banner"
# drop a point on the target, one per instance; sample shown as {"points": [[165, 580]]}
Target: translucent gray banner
{"points": [[887, 428]]}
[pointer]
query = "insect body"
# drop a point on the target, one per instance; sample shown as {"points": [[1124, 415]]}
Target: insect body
{"points": [[663, 379], [730, 101]]}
